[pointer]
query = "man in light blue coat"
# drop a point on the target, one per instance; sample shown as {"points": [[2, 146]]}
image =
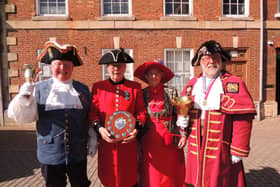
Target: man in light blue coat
{"points": [[62, 106]]}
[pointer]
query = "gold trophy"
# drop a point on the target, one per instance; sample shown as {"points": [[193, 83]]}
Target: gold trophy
{"points": [[184, 103]]}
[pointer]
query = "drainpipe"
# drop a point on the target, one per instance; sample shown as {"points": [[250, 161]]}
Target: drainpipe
{"points": [[259, 116], [2, 51]]}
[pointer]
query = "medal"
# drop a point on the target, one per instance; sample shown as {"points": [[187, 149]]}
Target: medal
{"points": [[126, 95], [206, 90]]}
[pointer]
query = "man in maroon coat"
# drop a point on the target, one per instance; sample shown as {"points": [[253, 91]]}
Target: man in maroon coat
{"points": [[117, 160], [219, 123]]}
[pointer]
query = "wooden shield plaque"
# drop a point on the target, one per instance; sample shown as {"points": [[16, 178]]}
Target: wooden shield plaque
{"points": [[120, 124]]}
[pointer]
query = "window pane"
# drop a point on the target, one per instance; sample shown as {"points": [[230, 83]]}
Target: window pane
{"points": [[178, 56], [226, 9], [116, 8], [124, 8], [107, 8], [170, 56], [177, 1], [233, 9], [241, 1], [61, 9], [185, 1], [179, 63], [43, 8], [177, 9], [52, 9], [240, 9], [168, 9], [185, 9], [226, 1], [186, 58]]}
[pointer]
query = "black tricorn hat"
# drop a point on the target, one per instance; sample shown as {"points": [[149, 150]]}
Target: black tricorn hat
{"points": [[115, 56], [54, 51], [208, 48]]}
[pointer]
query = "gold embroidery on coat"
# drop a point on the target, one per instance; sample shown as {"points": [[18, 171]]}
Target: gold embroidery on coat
{"points": [[210, 156], [243, 150], [243, 154], [214, 131], [213, 139], [212, 148], [195, 153]]}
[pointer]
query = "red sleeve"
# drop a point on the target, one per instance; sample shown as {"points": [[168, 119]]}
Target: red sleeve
{"points": [[94, 106], [140, 111], [241, 133]]}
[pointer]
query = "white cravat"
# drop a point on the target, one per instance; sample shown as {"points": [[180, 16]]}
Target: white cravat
{"points": [[63, 96], [213, 99]]}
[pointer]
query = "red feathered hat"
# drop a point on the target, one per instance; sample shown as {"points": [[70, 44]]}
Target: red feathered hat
{"points": [[140, 72]]}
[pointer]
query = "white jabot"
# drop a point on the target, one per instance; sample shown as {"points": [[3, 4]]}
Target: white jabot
{"points": [[63, 96], [213, 99]]}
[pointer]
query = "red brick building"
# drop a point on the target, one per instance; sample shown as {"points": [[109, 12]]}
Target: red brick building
{"points": [[170, 30]]}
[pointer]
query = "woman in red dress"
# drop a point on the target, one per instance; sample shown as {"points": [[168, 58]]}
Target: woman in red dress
{"points": [[162, 162]]}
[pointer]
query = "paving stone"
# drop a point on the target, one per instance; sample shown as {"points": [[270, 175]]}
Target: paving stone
{"points": [[20, 168]]}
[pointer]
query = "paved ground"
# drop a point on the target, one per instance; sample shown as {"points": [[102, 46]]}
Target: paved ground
{"points": [[19, 167]]}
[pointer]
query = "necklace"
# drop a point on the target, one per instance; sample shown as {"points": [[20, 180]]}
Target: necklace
{"points": [[206, 89], [164, 112]]}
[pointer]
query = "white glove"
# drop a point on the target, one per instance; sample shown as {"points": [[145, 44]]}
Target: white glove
{"points": [[182, 122], [27, 88], [235, 159], [92, 142]]}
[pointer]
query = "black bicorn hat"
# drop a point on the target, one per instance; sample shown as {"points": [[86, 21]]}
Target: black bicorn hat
{"points": [[116, 56], [208, 48], [54, 51]]}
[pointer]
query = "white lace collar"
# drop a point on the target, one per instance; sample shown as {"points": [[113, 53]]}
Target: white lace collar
{"points": [[63, 96]]}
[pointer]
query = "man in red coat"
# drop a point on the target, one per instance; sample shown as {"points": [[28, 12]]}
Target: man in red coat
{"points": [[219, 123], [117, 160]]}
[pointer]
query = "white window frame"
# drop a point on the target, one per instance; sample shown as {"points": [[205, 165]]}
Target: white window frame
{"points": [[129, 66], [246, 11], [116, 15], [189, 14], [46, 72], [178, 80], [38, 13]]}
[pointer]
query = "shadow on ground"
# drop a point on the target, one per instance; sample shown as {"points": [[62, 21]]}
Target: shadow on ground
{"points": [[18, 154], [265, 177]]}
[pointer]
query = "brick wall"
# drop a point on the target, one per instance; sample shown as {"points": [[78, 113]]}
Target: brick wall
{"points": [[148, 35], [146, 45]]}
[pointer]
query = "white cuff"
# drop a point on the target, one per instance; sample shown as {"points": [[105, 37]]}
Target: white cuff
{"points": [[235, 159], [182, 121]]}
